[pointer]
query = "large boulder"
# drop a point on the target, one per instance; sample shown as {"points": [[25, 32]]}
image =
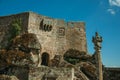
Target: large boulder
{"points": [[24, 50]]}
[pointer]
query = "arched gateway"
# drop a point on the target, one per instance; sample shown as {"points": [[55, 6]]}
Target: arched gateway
{"points": [[45, 59]]}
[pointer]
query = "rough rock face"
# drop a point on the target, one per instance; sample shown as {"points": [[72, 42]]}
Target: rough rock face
{"points": [[74, 56], [22, 51], [27, 40], [13, 57], [6, 77], [21, 72]]}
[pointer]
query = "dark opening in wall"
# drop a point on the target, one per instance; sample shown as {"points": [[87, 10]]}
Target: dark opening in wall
{"points": [[61, 31], [45, 27], [45, 59], [50, 27]]}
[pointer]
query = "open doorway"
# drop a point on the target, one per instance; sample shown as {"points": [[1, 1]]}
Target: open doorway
{"points": [[45, 59]]}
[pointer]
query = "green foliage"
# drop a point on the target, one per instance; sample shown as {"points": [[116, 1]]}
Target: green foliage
{"points": [[72, 60], [15, 28]]}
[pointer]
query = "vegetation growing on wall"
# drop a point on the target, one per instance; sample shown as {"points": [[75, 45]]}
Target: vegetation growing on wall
{"points": [[15, 28], [72, 56], [72, 60]]}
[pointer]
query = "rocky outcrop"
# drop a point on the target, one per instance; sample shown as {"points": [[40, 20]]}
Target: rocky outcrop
{"points": [[7, 77]]}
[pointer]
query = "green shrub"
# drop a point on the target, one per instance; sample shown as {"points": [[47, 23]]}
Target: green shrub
{"points": [[16, 27], [72, 60]]}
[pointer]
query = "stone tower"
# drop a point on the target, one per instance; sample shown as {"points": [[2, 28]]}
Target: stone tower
{"points": [[55, 36]]}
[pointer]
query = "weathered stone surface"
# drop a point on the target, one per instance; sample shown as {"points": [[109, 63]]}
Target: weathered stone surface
{"points": [[24, 50], [48, 48], [61, 37], [6, 77], [44, 73], [18, 72], [111, 73]]}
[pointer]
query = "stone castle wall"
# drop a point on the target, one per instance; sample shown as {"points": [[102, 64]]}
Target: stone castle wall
{"points": [[46, 38], [62, 36], [111, 73], [5, 25], [76, 36], [56, 36]]}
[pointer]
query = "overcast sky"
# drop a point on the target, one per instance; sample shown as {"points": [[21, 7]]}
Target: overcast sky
{"points": [[99, 15]]}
